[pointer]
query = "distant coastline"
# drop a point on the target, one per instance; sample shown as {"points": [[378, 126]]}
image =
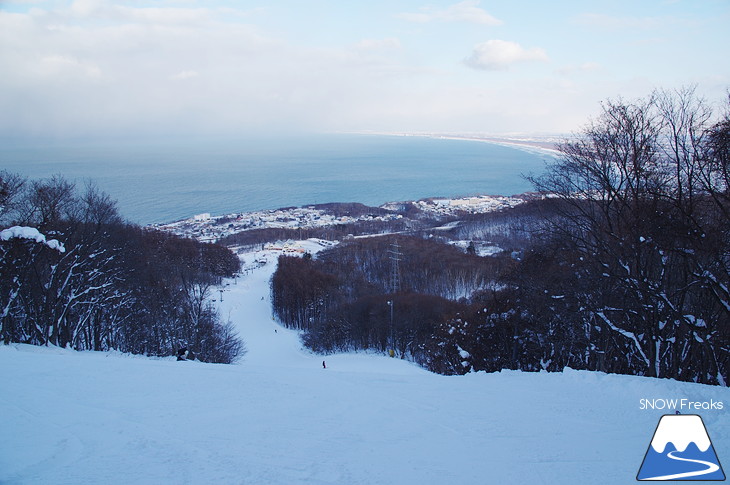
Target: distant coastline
{"points": [[211, 228], [163, 182], [538, 144]]}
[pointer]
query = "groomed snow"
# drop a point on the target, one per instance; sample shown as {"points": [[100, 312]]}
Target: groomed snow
{"points": [[279, 417]]}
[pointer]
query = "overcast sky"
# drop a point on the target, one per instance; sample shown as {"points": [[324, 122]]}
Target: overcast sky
{"points": [[183, 67]]}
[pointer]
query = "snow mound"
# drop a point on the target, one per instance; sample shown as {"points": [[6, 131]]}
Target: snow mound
{"points": [[23, 232]]}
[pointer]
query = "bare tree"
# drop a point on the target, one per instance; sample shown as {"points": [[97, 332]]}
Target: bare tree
{"points": [[109, 285], [634, 192], [11, 187]]}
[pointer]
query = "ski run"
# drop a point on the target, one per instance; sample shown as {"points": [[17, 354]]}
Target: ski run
{"points": [[279, 417]]}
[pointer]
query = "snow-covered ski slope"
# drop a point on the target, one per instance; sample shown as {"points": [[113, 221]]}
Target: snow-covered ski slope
{"points": [[278, 417]]}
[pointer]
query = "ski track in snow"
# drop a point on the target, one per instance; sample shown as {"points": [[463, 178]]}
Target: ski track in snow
{"points": [[711, 468], [278, 417]]}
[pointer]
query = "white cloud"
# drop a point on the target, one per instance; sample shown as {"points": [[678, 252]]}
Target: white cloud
{"points": [[86, 7], [182, 75], [586, 67], [23, 2], [466, 11], [157, 15], [190, 66], [378, 44], [494, 55], [612, 23], [59, 65], [161, 15]]}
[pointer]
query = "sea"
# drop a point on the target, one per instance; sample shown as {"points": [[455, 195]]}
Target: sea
{"points": [[158, 181]]}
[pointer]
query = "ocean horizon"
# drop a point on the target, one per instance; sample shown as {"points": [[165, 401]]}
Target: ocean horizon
{"points": [[164, 181]]}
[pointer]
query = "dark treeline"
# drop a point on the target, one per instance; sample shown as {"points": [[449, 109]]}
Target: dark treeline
{"points": [[424, 266], [352, 209], [343, 298], [335, 232], [624, 265], [510, 229], [114, 285]]}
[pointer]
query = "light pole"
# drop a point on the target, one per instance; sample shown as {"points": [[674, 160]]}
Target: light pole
{"points": [[221, 290], [392, 350]]}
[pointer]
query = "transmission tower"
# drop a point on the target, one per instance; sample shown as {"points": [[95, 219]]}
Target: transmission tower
{"points": [[395, 257]]}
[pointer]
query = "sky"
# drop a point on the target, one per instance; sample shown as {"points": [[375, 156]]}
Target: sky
{"points": [[89, 68]]}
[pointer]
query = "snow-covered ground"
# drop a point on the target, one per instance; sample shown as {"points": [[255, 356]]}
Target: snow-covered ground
{"points": [[279, 417], [480, 248], [205, 227]]}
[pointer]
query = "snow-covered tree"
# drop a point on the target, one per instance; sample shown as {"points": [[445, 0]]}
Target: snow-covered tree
{"points": [[108, 285], [636, 202]]}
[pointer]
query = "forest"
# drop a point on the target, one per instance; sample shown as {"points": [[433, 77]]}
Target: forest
{"points": [[621, 266], [105, 284]]}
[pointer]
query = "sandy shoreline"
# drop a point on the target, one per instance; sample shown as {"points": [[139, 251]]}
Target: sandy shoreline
{"points": [[539, 145]]}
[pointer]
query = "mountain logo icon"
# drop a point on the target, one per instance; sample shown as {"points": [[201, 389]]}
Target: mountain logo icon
{"points": [[681, 450]]}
